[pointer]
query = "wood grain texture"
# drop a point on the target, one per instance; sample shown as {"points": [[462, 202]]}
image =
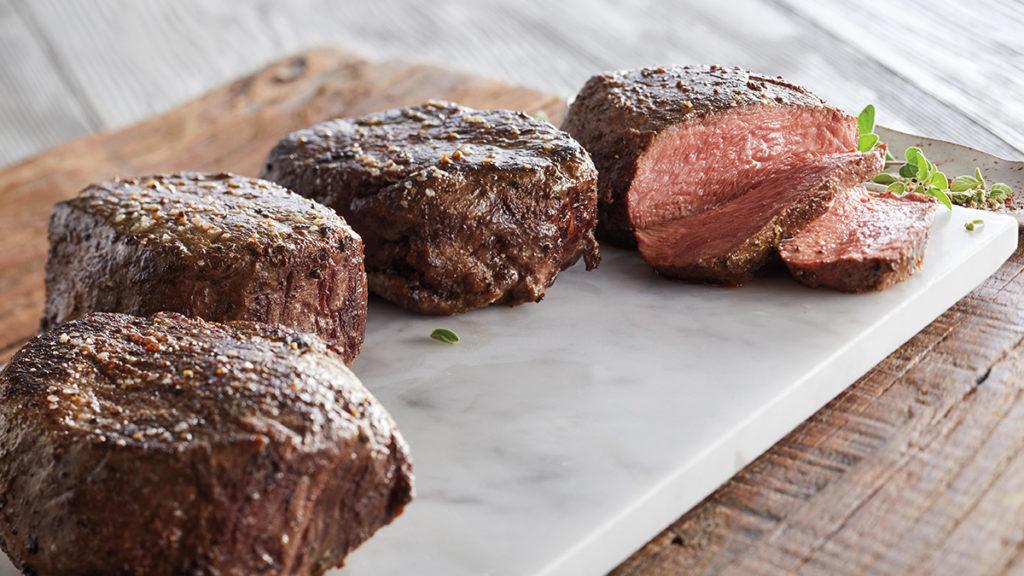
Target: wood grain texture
{"points": [[37, 108], [231, 128], [134, 58], [972, 60], [917, 468]]}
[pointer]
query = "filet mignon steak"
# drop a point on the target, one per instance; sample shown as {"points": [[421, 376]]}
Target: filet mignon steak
{"points": [[675, 142], [217, 246], [169, 445], [729, 243], [459, 208], [866, 241]]}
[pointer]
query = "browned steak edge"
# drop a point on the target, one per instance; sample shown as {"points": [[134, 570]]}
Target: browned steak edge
{"points": [[616, 115], [280, 483]]}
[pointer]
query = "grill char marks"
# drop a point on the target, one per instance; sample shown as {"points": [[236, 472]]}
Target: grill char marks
{"points": [[169, 445], [867, 241], [671, 140], [459, 208], [217, 246]]}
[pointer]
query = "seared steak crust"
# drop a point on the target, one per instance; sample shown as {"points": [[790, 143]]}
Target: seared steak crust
{"points": [[617, 116], [216, 246], [867, 241], [459, 208], [169, 445]]}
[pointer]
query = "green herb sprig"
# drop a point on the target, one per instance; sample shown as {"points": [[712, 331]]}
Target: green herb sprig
{"points": [[445, 335], [918, 174], [974, 192], [974, 224], [867, 140]]}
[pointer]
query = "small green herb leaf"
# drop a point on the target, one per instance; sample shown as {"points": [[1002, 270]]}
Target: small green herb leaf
{"points": [[896, 188], [911, 154], [979, 177], [445, 335], [924, 170], [939, 180], [908, 170], [964, 183], [974, 224], [889, 157], [940, 196], [867, 142], [1001, 190], [866, 120], [884, 178]]}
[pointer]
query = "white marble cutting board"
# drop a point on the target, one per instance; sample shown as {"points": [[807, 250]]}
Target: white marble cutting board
{"points": [[558, 437]]}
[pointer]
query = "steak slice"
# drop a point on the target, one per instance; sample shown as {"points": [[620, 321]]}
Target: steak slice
{"points": [[675, 142], [728, 243], [866, 241], [169, 445], [459, 208], [216, 246]]}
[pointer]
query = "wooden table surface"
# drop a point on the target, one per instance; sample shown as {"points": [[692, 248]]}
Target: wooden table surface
{"points": [[917, 468]]}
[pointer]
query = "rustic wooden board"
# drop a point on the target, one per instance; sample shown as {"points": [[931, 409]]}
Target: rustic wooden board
{"points": [[39, 107], [950, 71], [914, 468]]}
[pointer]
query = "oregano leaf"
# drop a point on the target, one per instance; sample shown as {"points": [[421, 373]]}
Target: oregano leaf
{"points": [[924, 168], [1001, 186], [896, 188], [911, 154], [940, 196], [445, 335], [964, 183], [867, 142], [866, 120]]}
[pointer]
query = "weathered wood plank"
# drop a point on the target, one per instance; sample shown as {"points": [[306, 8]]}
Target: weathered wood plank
{"points": [[134, 58], [37, 108], [969, 55], [232, 128]]}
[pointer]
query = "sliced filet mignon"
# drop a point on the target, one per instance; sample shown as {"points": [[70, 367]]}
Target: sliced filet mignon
{"points": [[676, 142], [169, 445], [728, 243], [866, 241], [217, 246], [459, 208]]}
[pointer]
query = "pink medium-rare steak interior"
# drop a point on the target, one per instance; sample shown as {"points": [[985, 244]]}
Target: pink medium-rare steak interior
{"points": [[697, 165], [729, 242], [861, 224], [866, 241]]}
